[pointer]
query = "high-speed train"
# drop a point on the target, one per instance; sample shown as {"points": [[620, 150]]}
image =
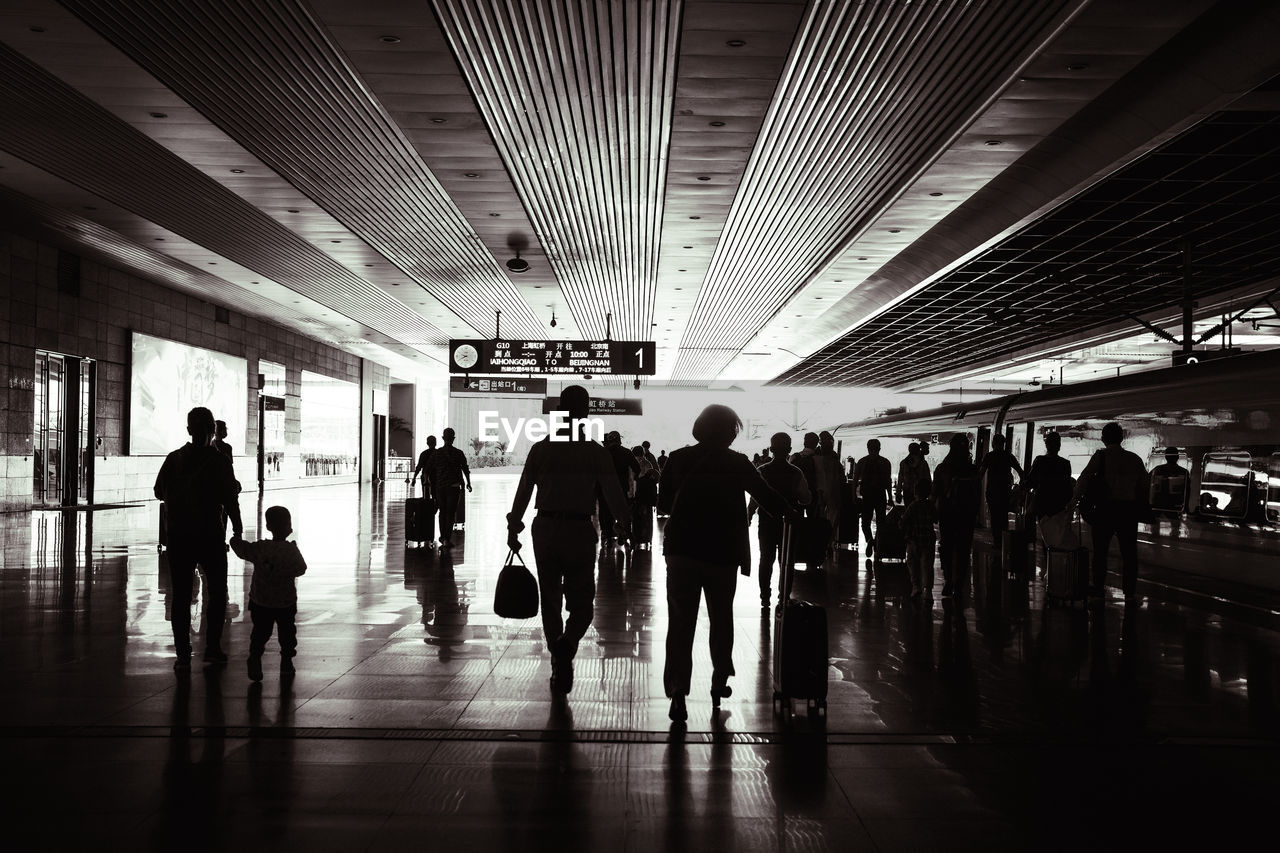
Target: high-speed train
{"points": [[1222, 415]]}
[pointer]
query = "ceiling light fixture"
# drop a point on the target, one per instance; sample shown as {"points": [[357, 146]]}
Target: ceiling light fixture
{"points": [[695, 217], [470, 174], [495, 214], [237, 171], [553, 318], [439, 120], [158, 115], [517, 264], [993, 142], [716, 123], [935, 195], [703, 178], [1077, 66], [292, 210], [389, 39], [736, 43]]}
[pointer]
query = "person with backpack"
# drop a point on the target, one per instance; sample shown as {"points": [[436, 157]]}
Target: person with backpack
{"points": [[956, 487]]}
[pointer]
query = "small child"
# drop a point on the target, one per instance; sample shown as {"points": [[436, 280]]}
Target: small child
{"points": [[273, 598], [918, 521]]}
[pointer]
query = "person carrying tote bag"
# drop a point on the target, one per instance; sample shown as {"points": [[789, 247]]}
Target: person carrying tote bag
{"points": [[516, 596]]}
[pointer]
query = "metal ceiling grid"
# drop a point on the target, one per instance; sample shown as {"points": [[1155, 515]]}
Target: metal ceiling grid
{"points": [[61, 132], [872, 94], [1113, 250], [269, 76], [578, 98]]}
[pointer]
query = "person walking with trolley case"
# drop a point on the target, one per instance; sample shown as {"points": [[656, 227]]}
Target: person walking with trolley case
{"points": [[705, 543], [788, 481]]}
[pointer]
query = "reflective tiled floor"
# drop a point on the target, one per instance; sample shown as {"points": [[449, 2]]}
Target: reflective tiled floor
{"points": [[419, 720]]}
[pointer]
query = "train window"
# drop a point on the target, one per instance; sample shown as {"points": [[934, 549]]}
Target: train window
{"points": [[1224, 487], [1273, 488], [1169, 480]]}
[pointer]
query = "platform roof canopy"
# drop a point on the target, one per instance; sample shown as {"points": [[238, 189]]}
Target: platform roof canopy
{"points": [[830, 193]]}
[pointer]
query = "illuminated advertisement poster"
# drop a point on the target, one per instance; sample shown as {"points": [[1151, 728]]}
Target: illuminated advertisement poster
{"points": [[167, 379]]}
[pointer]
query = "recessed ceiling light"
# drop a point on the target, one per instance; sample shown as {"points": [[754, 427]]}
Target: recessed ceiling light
{"points": [[389, 39], [495, 214], [213, 263], [335, 241], [716, 123], [1077, 66], [158, 239], [438, 120], [679, 288], [395, 284], [293, 210], [895, 230], [695, 217], [681, 270], [935, 195], [862, 259], [736, 43], [688, 247], [368, 265], [237, 171], [158, 115], [703, 178], [993, 142], [470, 174]]}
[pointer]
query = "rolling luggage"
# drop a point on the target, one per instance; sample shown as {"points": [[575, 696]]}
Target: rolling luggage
{"points": [[891, 540], [1066, 574], [847, 528], [163, 541], [642, 525], [811, 537], [1015, 549], [419, 521], [460, 517], [799, 645]]}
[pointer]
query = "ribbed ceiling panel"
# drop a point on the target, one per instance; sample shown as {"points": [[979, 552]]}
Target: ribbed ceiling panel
{"points": [[268, 75], [873, 93], [53, 127], [578, 98]]}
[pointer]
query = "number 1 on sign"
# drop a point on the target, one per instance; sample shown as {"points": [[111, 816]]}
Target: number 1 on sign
{"points": [[640, 355]]}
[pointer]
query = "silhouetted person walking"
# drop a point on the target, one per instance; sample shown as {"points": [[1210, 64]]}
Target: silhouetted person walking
{"points": [[423, 459], [873, 482], [705, 543], [1169, 482], [627, 469], [197, 483], [1049, 479], [956, 487], [273, 594], [804, 461], [219, 439], [567, 472], [448, 470], [913, 470], [1122, 496], [999, 466], [787, 480]]}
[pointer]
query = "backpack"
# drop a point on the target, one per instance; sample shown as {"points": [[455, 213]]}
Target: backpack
{"points": [[963, 495]]}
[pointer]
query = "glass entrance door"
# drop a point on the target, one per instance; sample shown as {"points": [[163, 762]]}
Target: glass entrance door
{"points": [[63, 438]]}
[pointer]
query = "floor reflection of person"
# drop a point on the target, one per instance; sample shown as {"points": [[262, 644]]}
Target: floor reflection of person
{"points": [[197, 484]]}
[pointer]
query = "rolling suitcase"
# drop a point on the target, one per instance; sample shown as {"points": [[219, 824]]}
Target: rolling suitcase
{"points": [[799, 645], [163, 541], [419, 521], [460, 518], [810, 539], [1066, 574], [847, 528], [1015, 548], [891, 541]]}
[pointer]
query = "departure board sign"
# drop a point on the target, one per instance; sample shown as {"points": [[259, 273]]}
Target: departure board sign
{"points": [[487, 385], [601, 406], [594, 358]]}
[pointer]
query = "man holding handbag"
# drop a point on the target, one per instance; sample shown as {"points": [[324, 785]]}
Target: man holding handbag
{"points": [[567, 472]]}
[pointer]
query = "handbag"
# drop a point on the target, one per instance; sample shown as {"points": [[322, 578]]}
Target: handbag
{"points": [[516, 596]]}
